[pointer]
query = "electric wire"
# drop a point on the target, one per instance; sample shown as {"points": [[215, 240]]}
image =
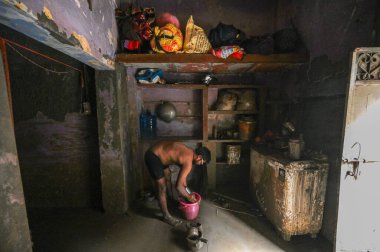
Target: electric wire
{"points": [[36, 64], [7, 41], [41, 54]]}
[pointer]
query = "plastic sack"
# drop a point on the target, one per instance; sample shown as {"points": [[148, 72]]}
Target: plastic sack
{"points": [[226, 101], [225, 35], [167, 39], [135, 28], [225, 51], [259, 44], [167, 18], [131, 44], [196, 40]]}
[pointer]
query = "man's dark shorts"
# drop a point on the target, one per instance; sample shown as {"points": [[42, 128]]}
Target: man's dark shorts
{"points": [[154, 164]]}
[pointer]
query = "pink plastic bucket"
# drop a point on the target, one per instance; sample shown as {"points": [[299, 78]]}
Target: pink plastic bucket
{"points": [[190, 210]]}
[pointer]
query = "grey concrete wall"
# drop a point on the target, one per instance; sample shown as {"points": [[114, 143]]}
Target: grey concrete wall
{"points": [[14, 227], [113, 152], [57, 146], [331, 30], [129, 123]]}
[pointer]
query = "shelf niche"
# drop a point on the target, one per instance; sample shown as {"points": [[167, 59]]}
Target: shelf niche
{"points": [[188, 103]]}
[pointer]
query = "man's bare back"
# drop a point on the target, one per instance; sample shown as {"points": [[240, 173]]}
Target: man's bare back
{"points": [[173, 153]]}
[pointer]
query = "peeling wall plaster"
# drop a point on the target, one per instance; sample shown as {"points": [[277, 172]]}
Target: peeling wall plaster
{"points": [[75, 22]]}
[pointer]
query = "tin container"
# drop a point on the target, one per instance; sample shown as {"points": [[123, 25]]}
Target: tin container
{"points": [[247, 127], [295, 148], [233, 154]]}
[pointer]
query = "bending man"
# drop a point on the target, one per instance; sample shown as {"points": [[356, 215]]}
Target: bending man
{"points": [[160, 156]]}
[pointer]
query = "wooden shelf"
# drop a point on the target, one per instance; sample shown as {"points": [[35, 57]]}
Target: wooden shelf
{"points": [[173, 86], [188, 139], [202, 58], [224, 162], [172, 138], [235, 86], [226, 140], [186, 63], [187, 116], [233, 112], [199, 86]]}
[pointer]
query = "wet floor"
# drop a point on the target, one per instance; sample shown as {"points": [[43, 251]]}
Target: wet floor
{"points": [[228, 225]]}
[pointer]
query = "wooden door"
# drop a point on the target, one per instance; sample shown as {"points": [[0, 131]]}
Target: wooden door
{"points": [[358, 226]]}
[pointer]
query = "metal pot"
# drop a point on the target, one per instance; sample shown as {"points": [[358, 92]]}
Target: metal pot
{"points": [[166, 111]]}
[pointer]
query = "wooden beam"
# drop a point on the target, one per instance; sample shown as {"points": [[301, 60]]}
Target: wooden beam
{"points": [[205, 114], [211, 167]]}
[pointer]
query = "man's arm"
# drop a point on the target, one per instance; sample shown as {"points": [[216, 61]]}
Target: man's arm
{"points": [[181, 181]]}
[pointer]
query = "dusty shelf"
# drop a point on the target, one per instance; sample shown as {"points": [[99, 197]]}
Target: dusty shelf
{"points": [[180, 62], [224, 162], [226, 140], [173, 86], [220, 86], [289, 58], [233, 112], [172, 138]]}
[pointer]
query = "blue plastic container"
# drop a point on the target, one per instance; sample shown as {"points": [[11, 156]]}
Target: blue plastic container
{"points": [[148, 125]]}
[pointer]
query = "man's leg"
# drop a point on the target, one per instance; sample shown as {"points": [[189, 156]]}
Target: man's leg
{"points": [[161, 184], [168, 180]]}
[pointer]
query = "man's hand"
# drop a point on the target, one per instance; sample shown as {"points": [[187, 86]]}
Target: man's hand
{"points": [[192, 198]]}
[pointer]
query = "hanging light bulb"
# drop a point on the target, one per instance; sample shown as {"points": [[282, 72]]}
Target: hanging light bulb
{"points": [[85, 103]]}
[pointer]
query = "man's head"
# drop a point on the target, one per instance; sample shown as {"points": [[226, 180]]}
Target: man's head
{"points": [[203, 155]]}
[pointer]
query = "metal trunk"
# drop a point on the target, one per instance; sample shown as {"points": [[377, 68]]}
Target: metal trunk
{"points": [[291, 194]]}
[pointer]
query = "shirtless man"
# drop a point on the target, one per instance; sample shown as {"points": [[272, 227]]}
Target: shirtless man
{"points": [[160, 156]]}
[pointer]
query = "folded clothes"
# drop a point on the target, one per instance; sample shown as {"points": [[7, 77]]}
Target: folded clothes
{"points": [[149, 76]]}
